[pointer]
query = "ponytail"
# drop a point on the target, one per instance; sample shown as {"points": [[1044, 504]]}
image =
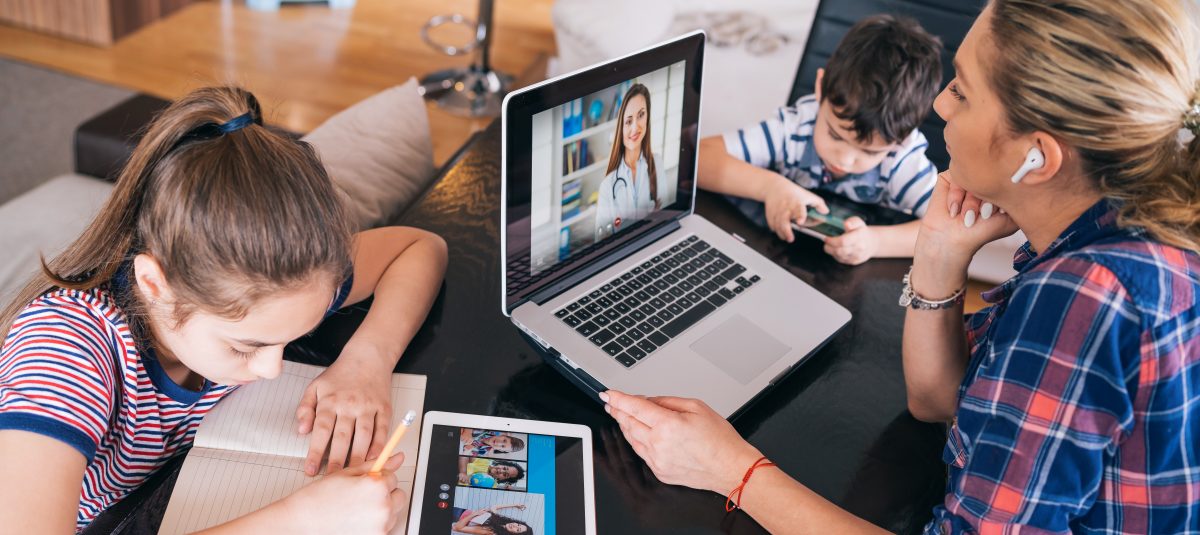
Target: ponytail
{"points": [[211, 207], [1168, 205]]}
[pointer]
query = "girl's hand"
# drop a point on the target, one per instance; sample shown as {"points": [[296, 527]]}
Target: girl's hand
{"points": [[683, 441], [786, 202], [857, 245], [350, 501], [348, 410]]}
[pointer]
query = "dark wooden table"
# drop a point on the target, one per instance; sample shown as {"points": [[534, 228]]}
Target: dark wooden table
{"points": [[839, 424]]}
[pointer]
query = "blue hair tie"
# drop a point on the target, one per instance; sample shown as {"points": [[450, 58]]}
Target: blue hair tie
{"points": [[214, 130], [237, 123]]}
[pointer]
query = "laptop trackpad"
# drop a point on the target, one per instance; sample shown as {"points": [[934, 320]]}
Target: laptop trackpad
{"points": [[740, 348]]}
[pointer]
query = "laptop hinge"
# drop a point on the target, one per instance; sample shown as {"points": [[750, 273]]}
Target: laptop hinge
{"points": [[600, 264]]}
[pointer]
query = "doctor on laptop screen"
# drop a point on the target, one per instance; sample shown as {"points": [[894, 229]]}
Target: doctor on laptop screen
{"points": [[630, 189], [603, 162]]}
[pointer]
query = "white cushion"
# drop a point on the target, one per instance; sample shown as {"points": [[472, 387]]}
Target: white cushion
{"points": [[44, 221], [993, 263], [379, 153]]}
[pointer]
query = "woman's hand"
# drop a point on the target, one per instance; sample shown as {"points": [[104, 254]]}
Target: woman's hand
{"points": [[966, 223], [350, 501], [857, 245], [683, 441], [786, 202], [348, 410], [954, 228]]}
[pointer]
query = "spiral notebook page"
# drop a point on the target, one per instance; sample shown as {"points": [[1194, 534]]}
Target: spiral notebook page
{"points": [[247, 453]]}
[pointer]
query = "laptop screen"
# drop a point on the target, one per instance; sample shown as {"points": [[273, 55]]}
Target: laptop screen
{"points": [[596, 158]]}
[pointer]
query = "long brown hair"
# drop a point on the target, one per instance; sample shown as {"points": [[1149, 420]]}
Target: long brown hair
{"points": [[618, 150], [230, 218], [1114, 81]]}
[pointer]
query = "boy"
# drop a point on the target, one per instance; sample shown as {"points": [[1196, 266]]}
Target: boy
{"points": [[856, 136]]}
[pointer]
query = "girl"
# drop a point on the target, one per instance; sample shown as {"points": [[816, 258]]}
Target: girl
{"points": [[487, 521], [1069, 399], [221, 243]]}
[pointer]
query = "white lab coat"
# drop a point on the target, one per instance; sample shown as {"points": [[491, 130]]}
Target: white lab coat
{"points": [[623, 197]]}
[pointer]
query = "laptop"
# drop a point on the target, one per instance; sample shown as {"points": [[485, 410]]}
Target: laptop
{"points": [[608, 268]]}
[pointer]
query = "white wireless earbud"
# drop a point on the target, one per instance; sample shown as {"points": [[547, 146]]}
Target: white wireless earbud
{"points": [[1034, 159]]}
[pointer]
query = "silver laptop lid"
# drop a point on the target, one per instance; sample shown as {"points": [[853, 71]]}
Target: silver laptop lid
{"points": [[577, 152]]}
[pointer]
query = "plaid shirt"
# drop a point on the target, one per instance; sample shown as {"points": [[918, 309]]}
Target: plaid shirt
{"points": [[1080, 408]]}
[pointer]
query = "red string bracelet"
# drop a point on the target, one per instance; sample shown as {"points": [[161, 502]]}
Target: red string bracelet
{"points": [[734, 500]]}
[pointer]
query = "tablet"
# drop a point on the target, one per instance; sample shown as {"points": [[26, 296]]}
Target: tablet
{"points": [[482, 474]]}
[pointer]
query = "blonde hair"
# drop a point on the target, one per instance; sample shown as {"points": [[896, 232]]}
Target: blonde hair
{"points": [[1113, 80], [229, 217]]}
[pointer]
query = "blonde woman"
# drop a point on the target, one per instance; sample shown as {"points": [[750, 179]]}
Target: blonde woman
{"points": [[1074, 397]]}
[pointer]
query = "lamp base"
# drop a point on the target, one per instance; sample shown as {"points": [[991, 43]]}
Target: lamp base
{"points": [[467, 91]]}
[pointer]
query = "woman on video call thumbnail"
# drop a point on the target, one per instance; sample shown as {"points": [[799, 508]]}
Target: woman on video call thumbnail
{"points": [[629, 191], [489, 522]]}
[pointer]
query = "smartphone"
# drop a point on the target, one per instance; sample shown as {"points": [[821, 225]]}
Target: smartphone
{"points": [[821, 226]]}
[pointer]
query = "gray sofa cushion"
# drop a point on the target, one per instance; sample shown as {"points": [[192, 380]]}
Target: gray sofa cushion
{"points": [[43, 221]]}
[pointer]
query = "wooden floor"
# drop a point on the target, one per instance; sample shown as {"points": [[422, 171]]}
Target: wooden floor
{"points": [[305, 62]]}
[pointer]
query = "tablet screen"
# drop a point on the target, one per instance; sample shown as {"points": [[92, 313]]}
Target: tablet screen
{"points": [[485, 482]]}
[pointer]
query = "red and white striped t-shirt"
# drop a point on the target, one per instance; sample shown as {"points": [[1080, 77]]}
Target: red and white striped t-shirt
{"points": [[57, 379]]}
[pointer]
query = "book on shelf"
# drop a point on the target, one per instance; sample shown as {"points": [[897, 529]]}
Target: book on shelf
{"points": [[571, 209], [576, 156], [572, 117], [616, 106], [572, 199]]}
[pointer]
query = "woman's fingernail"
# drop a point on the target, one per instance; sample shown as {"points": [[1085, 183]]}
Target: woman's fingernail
{"points": [[607, 408], [954, 208], [604, 397], [986, 210], [310, 469], [969, 219]]}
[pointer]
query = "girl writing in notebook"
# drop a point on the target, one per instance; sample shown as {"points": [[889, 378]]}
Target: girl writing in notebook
{"points": [[221, 243]]}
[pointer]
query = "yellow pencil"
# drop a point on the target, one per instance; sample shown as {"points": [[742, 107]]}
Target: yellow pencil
{"points": [[409, 418]]}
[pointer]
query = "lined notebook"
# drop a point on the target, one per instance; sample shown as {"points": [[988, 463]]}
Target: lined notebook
{"points": [[247, 453]]}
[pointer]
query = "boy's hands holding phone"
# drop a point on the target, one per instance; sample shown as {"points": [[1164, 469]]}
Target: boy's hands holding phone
{"points": [[785, 203], [857, 245]]}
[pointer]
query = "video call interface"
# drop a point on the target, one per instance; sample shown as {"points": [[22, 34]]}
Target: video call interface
{"points": [[603, 162], [484, 482]]}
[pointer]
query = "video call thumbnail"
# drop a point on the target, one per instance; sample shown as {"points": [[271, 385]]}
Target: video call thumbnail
{"points": [[492, 473], [603, 162], [487, 512], [490, 482], [493, 444]]}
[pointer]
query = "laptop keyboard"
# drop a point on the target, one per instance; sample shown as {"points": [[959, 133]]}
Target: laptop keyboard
{"points": [[638, 312]]}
